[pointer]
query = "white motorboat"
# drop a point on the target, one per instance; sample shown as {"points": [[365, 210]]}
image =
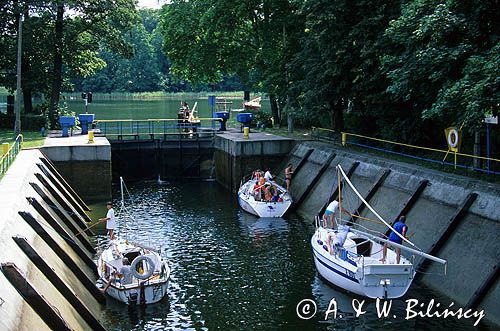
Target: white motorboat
{"points": [[251, 203], [149, 273], [356, 263], [130, 272]]}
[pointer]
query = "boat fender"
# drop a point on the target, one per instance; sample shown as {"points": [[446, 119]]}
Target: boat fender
{"points": [[453, 138], [325, 247], [320, 242], [150, 268]]}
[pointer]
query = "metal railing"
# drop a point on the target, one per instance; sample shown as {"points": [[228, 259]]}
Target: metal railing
{"points": [[433, 155], [9, 155], [165, 128]]}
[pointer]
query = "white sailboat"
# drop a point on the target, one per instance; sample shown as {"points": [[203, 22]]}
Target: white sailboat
{"points": [[144, 281], [250, 202], [355, 264]]}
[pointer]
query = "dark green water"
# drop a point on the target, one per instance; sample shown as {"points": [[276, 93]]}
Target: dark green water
{"points": [[147, 108], [232, 271]]}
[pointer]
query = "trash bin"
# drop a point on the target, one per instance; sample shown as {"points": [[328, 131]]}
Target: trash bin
{"points": [[66, 122], [85, 121]]}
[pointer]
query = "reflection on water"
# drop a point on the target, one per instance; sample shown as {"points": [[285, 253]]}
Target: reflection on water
{"points": [[233, 271]]}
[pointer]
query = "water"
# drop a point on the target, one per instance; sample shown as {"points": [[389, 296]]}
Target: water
{"points": [[148, 108], [232, 271]]}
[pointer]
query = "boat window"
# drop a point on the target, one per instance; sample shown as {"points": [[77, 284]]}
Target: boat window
{"points": [[364, 246]]}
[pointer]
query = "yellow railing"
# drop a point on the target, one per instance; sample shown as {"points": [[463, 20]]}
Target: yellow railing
{"points": [[9, 153], [343, 138]]}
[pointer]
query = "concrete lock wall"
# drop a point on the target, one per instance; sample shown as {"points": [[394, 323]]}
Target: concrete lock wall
{"points": [[472, 247], [55, 245], [86, 166]]}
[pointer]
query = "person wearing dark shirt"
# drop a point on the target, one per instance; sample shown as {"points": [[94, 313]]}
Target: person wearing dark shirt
{"points": [[400, 228]]}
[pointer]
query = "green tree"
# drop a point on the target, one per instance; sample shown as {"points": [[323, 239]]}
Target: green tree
{"points": [[444, 59]]}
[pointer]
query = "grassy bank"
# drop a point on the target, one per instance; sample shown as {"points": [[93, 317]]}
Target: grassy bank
{"points": [[31, 138]]}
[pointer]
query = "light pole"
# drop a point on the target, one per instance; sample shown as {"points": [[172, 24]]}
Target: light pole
{"points": [[17, 124]]}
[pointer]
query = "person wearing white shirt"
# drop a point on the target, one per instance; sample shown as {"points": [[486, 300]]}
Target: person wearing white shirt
{"points": [[268, 177], [330, 212], [110, 220]]}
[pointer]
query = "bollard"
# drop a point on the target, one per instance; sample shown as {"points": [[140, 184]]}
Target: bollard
{"points": [[5, 148], [91, 137], [246, 132], [344, 138]]}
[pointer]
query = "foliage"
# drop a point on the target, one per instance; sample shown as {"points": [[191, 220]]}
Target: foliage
{"points": [[444, 60], [29, 122]]}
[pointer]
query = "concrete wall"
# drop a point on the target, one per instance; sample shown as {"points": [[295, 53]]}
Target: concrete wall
{"points": [[471, 251], [87, 167], [236, 157], [16, 314]]}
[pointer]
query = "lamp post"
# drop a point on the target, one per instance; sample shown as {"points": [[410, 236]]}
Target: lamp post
{"points": [[17, 124]]}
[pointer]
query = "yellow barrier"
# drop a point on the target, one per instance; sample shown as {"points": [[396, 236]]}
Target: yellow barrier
{"points": [[246, 132], [417, 147], [91, 137], [5, 148]]}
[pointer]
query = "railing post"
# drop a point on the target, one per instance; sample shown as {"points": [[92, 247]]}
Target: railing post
{"points": [[5, 148]]}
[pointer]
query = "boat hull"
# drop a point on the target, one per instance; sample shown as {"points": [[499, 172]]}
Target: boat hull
{"points": [[143, 288], [364, 276], [263, 208], [153, 292]]}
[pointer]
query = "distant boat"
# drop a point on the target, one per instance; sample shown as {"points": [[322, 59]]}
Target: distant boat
{"points": [[355, 264], [253, 104], [262, 208], [149, 273]]}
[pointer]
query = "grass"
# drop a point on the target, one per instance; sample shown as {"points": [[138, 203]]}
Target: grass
{"points": [[31, 138]]}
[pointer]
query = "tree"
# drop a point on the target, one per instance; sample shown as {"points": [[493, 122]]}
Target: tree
{"points": [[66, 36], [444, 59]]}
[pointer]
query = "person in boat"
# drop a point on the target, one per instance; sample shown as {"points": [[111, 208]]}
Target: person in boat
{"points": [[275, 194], [337, 239], [185, 110], [125, 274], [331, 211], [288, 176], [268, 176], [400, 228], [110, 220], [267, 192], [257, 191]]}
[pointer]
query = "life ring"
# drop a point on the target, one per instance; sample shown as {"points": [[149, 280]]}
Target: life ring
{"points": [[150, 267], [453, 138]]}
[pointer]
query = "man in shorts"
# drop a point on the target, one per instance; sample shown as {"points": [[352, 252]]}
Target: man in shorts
{"points": [[110, 220], [400, 228]]}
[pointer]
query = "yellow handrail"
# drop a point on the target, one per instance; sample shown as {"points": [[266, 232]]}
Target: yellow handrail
{"points": [[7, 156], [418, 147]]}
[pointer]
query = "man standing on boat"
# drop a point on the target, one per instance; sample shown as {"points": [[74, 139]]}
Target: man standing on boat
{"points": [[110, 220], [401, 228]]}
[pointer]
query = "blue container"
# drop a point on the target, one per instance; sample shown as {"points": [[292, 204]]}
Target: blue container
{"points": [[224, 116], [66, 122], [85, 121], [245, 118]]}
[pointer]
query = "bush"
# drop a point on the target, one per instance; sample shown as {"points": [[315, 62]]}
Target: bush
{"points": [[263, 120], [29, 122]]}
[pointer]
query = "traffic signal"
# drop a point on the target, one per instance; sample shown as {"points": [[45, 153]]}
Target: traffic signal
{"points": [[89, 97]]}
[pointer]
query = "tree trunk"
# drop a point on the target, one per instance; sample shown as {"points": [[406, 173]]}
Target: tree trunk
{"points": [[290, 122], [28, 105], [477, 149], [274, 109], [25, 82], [57, 71], [338, 116]]}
